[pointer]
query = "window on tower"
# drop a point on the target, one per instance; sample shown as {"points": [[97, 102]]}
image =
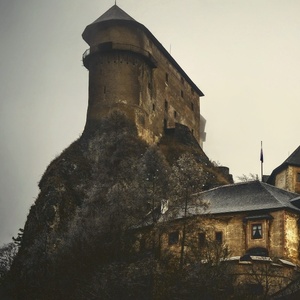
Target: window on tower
{"points": [[166, 105]]}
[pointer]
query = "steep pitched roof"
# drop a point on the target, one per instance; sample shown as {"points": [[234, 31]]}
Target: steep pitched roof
{"points": [[292, 160], [254, 196], [114, 13], [246, 196]]}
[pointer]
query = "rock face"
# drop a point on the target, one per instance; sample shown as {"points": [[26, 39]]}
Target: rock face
{"points": [[97, 187], [143, 114]]}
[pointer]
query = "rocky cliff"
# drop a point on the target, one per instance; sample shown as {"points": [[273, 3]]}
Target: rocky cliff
{"points": [[90, 195]]}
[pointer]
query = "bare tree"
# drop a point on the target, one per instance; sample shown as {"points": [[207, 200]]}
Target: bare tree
{"points": [[249, 177], [187, 178]]}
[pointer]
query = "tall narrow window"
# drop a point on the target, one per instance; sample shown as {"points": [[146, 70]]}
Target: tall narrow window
{"points": [[175, 114], [219, 237], [166, 105], [298, 177], [256, 231], [192, 106], [167, 77], [181, 93], [201, 239], [153, 107]]}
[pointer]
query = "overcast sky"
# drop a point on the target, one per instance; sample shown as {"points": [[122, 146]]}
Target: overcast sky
{"points": [[243, 54]]}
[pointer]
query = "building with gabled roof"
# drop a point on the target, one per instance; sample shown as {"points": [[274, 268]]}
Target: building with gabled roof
{"points": [[287, 175], [258, 223], [250, 218]]}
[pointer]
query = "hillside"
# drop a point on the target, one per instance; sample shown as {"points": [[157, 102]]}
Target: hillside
{"points": [[90, 196]]}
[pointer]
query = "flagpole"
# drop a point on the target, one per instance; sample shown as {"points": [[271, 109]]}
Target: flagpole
{"points": [[261, 160]]}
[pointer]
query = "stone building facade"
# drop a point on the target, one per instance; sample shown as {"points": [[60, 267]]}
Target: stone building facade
{"points": [[251, 218], [130, 70], [257, 223], [287, 175]]}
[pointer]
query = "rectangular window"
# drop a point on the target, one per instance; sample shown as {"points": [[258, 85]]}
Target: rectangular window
{"points": [[201, 239], [173, 237], [167, 77], [153, 107], [298, 177], [166, 105], [181, 94], [192, 106], [182, 80], [219, 237], [175, 114], [256, 231]]}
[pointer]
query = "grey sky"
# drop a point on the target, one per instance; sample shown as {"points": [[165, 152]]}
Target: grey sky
{"points": [[244, 55]]}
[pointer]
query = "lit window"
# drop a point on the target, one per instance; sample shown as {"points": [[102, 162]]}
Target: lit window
{"points": [[219, 237], [173, 237], [256, 231]]}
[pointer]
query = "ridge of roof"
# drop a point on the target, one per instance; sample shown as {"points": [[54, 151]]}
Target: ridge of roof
{"points": [[294, 158], [114, 13]]}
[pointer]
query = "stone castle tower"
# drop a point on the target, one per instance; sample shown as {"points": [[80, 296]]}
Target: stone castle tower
{"points": [[130, 70]]}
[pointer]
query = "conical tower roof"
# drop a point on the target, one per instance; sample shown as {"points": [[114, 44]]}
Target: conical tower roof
{"points": [[114, 13]]}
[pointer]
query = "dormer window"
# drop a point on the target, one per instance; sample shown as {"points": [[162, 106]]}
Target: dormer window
{"points": [[256, 231]]}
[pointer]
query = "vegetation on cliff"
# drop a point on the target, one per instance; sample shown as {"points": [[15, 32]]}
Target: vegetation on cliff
{"points": [[77, 241]]}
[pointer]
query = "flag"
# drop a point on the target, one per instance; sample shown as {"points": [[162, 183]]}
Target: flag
{"points": [[261, 155]]}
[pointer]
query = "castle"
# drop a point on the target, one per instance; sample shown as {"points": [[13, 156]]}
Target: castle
{"points": [[130, 70]]}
